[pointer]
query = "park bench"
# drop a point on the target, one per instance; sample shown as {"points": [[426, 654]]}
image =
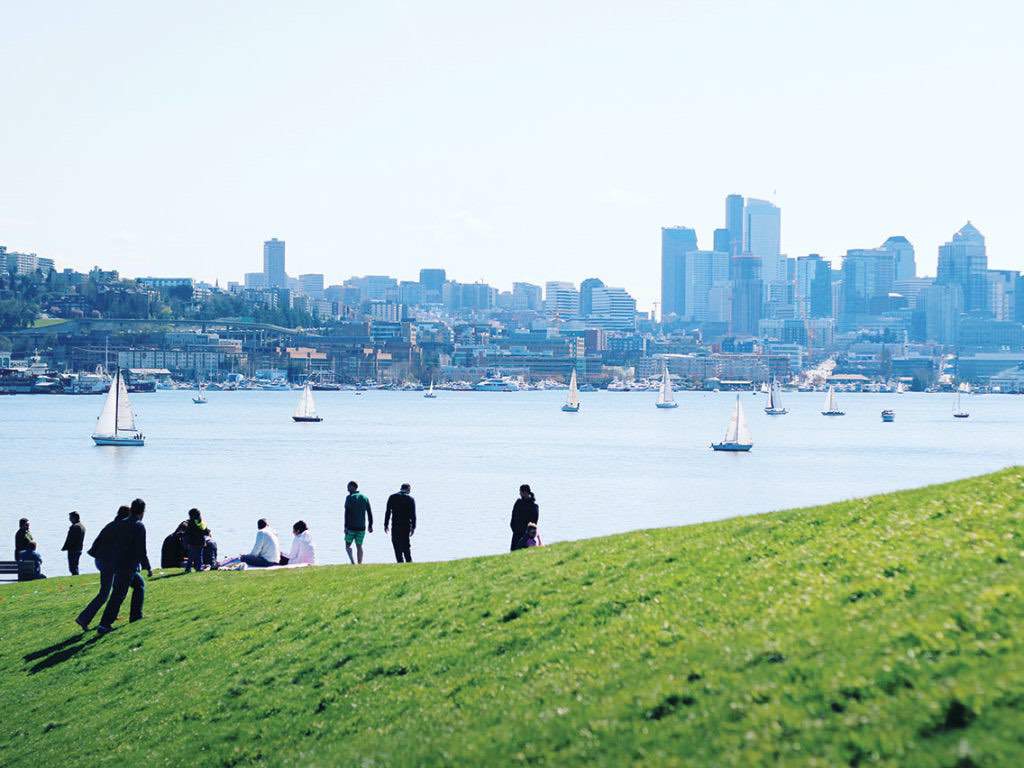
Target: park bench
{"points": [[8, 570], [15, 570]]}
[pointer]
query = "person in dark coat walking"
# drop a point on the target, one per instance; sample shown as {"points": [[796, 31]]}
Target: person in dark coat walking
{"points": [[103, 553], [524, 512], [401, 516], [129, 556], [74, 542]]}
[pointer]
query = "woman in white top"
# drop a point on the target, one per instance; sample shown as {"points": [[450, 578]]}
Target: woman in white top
{"points": [[302, 546]]}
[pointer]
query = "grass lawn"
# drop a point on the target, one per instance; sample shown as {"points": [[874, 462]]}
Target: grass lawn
{"points": [[882, 631], [43, 322]]}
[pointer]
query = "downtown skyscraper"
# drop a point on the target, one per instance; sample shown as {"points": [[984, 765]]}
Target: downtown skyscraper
{"points": [[676, 242]]}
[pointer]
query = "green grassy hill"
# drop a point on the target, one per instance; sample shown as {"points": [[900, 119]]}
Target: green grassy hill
{"points": [[883, 631]]}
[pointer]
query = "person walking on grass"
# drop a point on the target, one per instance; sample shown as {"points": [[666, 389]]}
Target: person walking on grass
{"points": [[129, 557], [357, 512], [401, 516], [74, 542], [524, 512], [102, 553]]}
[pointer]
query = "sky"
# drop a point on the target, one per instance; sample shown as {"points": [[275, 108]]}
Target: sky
{"points": [[503, 141]]}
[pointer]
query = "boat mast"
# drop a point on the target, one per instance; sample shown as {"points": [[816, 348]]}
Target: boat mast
{"points": [[117, 401]]}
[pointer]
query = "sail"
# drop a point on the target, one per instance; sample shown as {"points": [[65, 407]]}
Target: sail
{"points": [[125, 414], [732, 432], [956, 405], [830, 400], [431, 390], [665, 395], [770, 405], [574, 394], [306, 407], [742, 431], [107, 421]]}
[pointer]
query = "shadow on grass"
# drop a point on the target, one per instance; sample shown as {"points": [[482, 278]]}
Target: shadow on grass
{"points": [[59, 652]]}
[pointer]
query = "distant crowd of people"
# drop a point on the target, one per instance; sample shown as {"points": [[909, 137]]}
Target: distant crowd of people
{"points": [[120, 554]]}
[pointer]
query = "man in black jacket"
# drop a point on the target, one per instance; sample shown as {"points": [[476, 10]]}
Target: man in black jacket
{"points": [[129, 556], [103, 553], [401, 516], [74, 542]]}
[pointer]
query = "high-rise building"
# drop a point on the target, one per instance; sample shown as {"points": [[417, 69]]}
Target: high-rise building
{"points": [[312, 285], [676, 242], [747, 306], [273, 263], [762, 231], [722, 241], [375, 287], [903, 255], [813, 289], [526, 296], [432, 280], [586, 295], [867, 281], [562, 299], [943, 306], [963, 261], [704, 269], [613, 309], [256, 280], [734, 224], [410, 293], [1002, 293]]}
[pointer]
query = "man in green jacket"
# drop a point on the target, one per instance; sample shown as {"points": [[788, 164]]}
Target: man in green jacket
{"points": [[357, 512]]}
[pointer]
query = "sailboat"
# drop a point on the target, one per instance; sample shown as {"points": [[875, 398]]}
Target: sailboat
{"points": [[306, 409], [429, 394], [831, 406], [116, 424], [200, 396], [774, 404], [572, 402], [737, 436], [958, 411], [665, 397]]}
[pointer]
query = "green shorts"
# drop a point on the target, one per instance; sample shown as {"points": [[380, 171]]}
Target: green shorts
{"points": [[356, 536]]}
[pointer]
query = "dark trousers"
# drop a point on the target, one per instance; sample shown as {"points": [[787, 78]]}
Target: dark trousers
{"points": [[106, 579], [403, 547], [119, 590], [73, 558], [256, 561], [518, 540], [195, 557]]}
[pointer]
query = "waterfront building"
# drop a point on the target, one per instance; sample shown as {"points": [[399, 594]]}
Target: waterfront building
{"points": [[166, 282], [676, 242], [273, 263], [963, 261], [24, 263]]}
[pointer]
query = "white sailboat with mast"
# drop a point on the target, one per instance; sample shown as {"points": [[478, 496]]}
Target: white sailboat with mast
{"points": [[116, 423], [666, 398], [430, 394], [572, 402], [200, 396], [831, 406], [774, 405], [306, 409], [958, 409], [737, 435]]}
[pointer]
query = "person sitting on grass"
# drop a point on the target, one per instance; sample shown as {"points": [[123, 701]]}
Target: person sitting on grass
{"points": [[266, 552], [532, 537], [173, 553], [302, 546]]}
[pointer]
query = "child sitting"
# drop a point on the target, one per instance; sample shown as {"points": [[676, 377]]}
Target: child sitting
{"points": [[532, 538]]}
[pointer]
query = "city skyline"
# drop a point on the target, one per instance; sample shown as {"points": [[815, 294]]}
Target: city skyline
{"points": [[401, 137]]}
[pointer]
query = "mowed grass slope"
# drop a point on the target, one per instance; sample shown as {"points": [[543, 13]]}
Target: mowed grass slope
{"points": [[884, 631]]}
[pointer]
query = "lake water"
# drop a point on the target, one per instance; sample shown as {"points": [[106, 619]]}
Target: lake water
{"points": [[617, 465]]}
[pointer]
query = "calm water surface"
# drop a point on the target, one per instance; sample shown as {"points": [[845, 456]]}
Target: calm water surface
{"points": [[619, 464]]}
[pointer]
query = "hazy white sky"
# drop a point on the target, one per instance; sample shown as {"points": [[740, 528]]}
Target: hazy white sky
{"points": [[503, 141]]}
